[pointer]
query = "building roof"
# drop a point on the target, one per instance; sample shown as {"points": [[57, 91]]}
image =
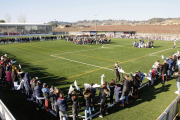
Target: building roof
{"points": [[162, 29], [14, 24]]}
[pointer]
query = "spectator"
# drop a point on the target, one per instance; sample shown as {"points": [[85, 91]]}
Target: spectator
{"points": [[27, 86], [52, 98], [165, 67], [88, 97], [116, 72], [93, 90], [75, 105], [126, 88], [55, 97], [9, 79], [45, 91], [177, 76], [2, 75], [136, 80], [62, 104], [103, 92], [38, 93], [112, 86], [116, 91]]}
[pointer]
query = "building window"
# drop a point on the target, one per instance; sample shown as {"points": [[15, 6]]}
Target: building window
{"points": [[34, 30], [28, 30], [3, 30], [21, 30]]}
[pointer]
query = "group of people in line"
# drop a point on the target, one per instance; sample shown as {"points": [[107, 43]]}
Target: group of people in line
{"points": [[29, 39], [142, 44], [56, 101], [85, 40], [149, 37]]}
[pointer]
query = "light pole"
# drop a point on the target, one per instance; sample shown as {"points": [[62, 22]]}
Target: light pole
{"points": [[55, 23], [95, 24]]}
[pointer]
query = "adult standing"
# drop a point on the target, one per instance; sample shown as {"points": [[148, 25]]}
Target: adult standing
{"points": [[116, 72], [136, 80], [126, 88]]}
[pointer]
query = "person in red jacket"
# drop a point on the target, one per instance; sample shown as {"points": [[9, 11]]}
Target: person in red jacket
{"points": [[9, 79]]}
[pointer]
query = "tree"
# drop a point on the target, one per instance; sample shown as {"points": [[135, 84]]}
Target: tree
{"points": [[54, 24], [8, 18], [2, 21], [21, 18]]}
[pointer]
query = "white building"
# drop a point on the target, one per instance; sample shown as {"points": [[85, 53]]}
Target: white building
{"points": [[13, 29]]}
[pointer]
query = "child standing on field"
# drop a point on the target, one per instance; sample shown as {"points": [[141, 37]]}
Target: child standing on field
{"points": [[38, 93], [112, 86], [52, 98], [93, 90], [116, 92], [45, 91], [75, 105], [62, 104]]}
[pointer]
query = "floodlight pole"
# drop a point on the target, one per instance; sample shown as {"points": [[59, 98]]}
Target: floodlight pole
{"points": [[95, 25], [55, 22]]}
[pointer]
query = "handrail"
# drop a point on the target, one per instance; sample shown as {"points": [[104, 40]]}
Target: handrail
{"points": [[5, 114], [169, 108]]}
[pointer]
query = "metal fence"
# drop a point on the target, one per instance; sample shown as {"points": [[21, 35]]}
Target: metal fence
{"points": [[171, 111], [5, 114]]}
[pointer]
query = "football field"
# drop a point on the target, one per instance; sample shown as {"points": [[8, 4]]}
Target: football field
{"points": [[60, 63]]}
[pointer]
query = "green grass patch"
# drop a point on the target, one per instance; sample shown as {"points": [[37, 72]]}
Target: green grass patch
{"points": [[36, 58]]}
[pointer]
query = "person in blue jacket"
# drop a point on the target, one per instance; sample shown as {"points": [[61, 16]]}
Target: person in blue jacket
{"points": [[27, 85], [62, 104], [38, 93], [170, 62]]}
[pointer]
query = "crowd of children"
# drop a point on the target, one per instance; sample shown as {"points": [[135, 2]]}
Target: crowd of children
{"points": [[43, 95], [142, 44]]}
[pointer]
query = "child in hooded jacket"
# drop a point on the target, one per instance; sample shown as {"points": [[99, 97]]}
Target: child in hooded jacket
{"points": [[45, 91], [62, 104], [87, 97], [27, 86], [75, 105]]}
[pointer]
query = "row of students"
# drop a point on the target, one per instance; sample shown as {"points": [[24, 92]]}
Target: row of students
{"points": [[57, 97], [59, 102]]}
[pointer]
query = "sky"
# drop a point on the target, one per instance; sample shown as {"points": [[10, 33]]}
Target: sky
{"points": [[43, 11]]}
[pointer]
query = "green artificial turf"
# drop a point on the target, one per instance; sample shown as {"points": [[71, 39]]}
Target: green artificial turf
{"points": [[37, 59]]}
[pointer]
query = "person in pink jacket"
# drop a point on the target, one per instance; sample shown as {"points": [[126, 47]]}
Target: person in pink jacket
{"points": [[9, 79]]}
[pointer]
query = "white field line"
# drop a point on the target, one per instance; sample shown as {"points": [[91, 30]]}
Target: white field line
{"points": [[155, 55], [159, 51], [88, 49], [82, 63]]}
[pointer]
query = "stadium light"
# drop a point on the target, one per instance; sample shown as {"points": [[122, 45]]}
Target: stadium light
{"points": [[95, 24]]}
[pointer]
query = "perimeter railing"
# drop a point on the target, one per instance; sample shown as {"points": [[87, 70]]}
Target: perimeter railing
{"points": [[5, 114], [171, 111]]}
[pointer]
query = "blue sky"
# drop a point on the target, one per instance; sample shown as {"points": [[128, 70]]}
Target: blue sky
{"points": [[41, 11]]}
